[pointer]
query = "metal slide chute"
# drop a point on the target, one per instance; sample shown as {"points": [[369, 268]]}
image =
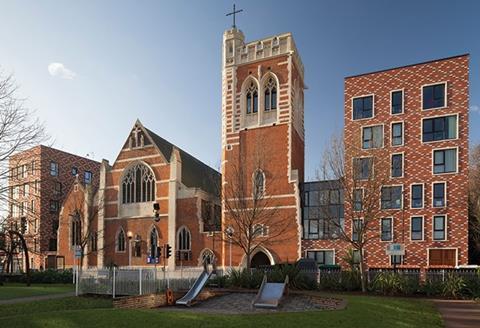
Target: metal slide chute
{"points": [[270, 293], [196, 288]]}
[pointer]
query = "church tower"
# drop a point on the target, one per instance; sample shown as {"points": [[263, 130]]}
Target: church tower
{"points": [[263, 139]]}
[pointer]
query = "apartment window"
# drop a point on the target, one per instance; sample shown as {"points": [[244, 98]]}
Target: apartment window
{"points": [[362, 168], [53, 169], [391, 197], [434, 96], [372, 137], [87, 176], [358, 199], [444, 161], [357, 229], [386, 229], [57, 189], [52, 244], [74, 171], [54, 205], [322, 257], [439, 128], [32, 206], [396, 259], [439, 194], [397, 134], [439, 227], [397, 165], [416, 228], [417, 196], [362, 107], [397, 102]]}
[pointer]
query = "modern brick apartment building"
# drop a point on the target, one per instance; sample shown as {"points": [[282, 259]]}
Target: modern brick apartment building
{"points": [[39, 179], [413, 120]]}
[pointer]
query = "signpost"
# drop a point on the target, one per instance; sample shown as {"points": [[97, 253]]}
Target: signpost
{"points": [[78, 256], [395, 250]]}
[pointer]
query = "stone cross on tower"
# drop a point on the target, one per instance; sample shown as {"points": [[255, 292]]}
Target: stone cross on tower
{"points": [[233, 14]]}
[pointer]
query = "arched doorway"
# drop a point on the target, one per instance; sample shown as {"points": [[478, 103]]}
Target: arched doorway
{"points": [[259, 259]]}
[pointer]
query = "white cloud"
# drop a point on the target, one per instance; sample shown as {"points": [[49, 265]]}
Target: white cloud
{"points": [[475, 109], [59, 70]]}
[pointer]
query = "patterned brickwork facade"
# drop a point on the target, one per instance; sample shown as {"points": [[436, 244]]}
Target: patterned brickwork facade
{"points": [[46, 192], [417, 159]]}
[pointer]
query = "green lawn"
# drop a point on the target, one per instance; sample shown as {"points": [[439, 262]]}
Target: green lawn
{"points": [[11, 290], [361, 311]]}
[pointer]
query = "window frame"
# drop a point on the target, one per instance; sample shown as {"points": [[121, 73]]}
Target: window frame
{"points": [[423, 227], [440, 116], [373, 107], [372, 169], [445, 227], [372, 126], [403, 101], [401, 197], [85, 177], [57, 170], [353, 231], [361, 200], [444, 194], [390, 218], [391, 165], [117, 244], [403, 133], [411, 195], [445, 96], [322, 250], [456, 162]]}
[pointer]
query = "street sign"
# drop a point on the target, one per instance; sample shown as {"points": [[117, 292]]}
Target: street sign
{"points": [[395, 249], [152, 260], [78, 251]]}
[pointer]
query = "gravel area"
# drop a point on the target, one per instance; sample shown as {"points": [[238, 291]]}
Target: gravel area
{"points": [[236, 303]]}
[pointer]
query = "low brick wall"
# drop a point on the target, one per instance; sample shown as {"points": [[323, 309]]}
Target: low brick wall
{"points": [[151, 301]]}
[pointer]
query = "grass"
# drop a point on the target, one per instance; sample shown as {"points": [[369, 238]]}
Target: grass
{"points": [[13, 290], [361, 311]]}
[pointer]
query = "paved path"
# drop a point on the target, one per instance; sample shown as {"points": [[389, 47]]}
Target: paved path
{"points": [[459, 313], [36, 298]]}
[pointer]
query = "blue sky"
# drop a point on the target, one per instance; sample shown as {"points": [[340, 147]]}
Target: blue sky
{"points": [[160, 61]]}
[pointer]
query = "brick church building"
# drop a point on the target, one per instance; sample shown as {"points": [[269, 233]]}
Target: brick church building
{"points": [[155, 193]]}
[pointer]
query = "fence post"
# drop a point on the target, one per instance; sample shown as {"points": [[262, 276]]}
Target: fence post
{"points": [[140, 281], [113, 287]]}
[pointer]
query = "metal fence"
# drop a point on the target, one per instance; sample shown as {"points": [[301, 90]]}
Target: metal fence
{"points": [[134, 281], [440, 275], [411, 274]]}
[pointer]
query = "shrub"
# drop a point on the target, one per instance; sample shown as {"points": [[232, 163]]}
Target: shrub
{"points": [[391, 283], [48, 276], [453, 286], [244, 278], [340, 280]]}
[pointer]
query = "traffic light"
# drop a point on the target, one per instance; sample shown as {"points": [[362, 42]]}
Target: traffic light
{"points": [[168, 251], [157, 252]]}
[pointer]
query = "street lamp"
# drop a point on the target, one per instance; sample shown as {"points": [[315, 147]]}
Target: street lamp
{"points": [[129, 236], [229, 232]]}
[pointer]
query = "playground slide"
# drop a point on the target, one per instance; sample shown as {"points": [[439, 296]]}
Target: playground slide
{"points": [[196, 289], [270, 293]]}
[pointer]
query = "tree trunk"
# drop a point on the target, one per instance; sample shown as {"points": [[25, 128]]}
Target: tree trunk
{"points": [[247, 258], [362, 273]]}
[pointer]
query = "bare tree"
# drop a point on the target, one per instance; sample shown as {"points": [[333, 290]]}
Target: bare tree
{"points": [[19, 131], [474, 204], [361, 176], [251, 213]]}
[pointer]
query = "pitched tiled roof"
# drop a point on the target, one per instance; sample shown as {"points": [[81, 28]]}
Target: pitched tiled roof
{"points": [[195, 174]]}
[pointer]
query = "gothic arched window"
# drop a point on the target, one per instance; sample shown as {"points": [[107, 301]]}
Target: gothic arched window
{"points": [[121, 241], [138, 185], [258, 184], [270, 94], [154, 242], [252, 98], [75, 230], [184, 239], [207, 256]]}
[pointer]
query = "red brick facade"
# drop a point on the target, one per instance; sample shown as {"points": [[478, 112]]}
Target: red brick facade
{"points": [[417, 161], [266, 140], [46, 191]]}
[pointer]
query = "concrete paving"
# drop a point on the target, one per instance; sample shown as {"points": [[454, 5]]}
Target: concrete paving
{"points": [[459, 313]]}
